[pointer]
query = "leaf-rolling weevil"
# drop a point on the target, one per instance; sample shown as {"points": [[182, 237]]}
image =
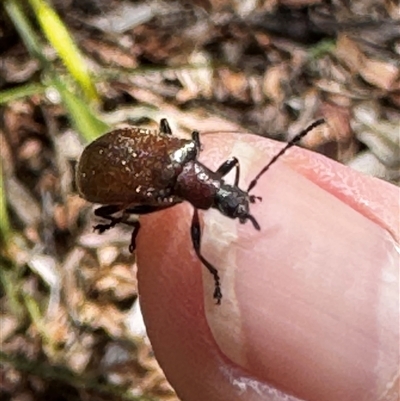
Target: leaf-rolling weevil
{"points": [[140, 171]]}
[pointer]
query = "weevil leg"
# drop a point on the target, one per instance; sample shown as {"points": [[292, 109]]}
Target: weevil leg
{"points": [[196, 139], [135, 232], [195, 232], [141, 210], [164, 127], [105, 212], [145, 209], [227, 166]]}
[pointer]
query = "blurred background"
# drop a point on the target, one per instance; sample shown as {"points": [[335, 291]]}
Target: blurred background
{"points": [[70, 70]]}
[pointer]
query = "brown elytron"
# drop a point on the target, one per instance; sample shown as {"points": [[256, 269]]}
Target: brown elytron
{"points": [[133, 166], [140, 171]]}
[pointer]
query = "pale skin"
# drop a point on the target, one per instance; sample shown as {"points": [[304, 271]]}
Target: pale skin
{"points": [[310, 305]]}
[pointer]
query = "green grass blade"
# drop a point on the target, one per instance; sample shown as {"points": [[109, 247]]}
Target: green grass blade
{"points": [[82, 117], [58, 35], [5, 230], [19, 92], [24, 28], [80, 113]]}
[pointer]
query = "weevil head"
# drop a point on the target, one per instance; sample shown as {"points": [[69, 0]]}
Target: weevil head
{"points": [[233, 202]]}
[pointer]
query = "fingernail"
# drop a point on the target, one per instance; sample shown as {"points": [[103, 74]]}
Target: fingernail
{"points": [[310, 302]]}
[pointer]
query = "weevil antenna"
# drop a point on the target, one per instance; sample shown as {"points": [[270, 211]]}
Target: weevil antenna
{"points": [[293, 142]]}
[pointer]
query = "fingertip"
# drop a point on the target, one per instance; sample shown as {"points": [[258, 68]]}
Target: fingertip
{"points": [[283, 308], [286, 287]]}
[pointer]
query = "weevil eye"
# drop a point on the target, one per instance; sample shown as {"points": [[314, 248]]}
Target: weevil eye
{"points": [[242, 211]]}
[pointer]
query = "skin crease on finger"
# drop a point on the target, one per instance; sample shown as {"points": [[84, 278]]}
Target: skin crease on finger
{"points": [[310, 303]]}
